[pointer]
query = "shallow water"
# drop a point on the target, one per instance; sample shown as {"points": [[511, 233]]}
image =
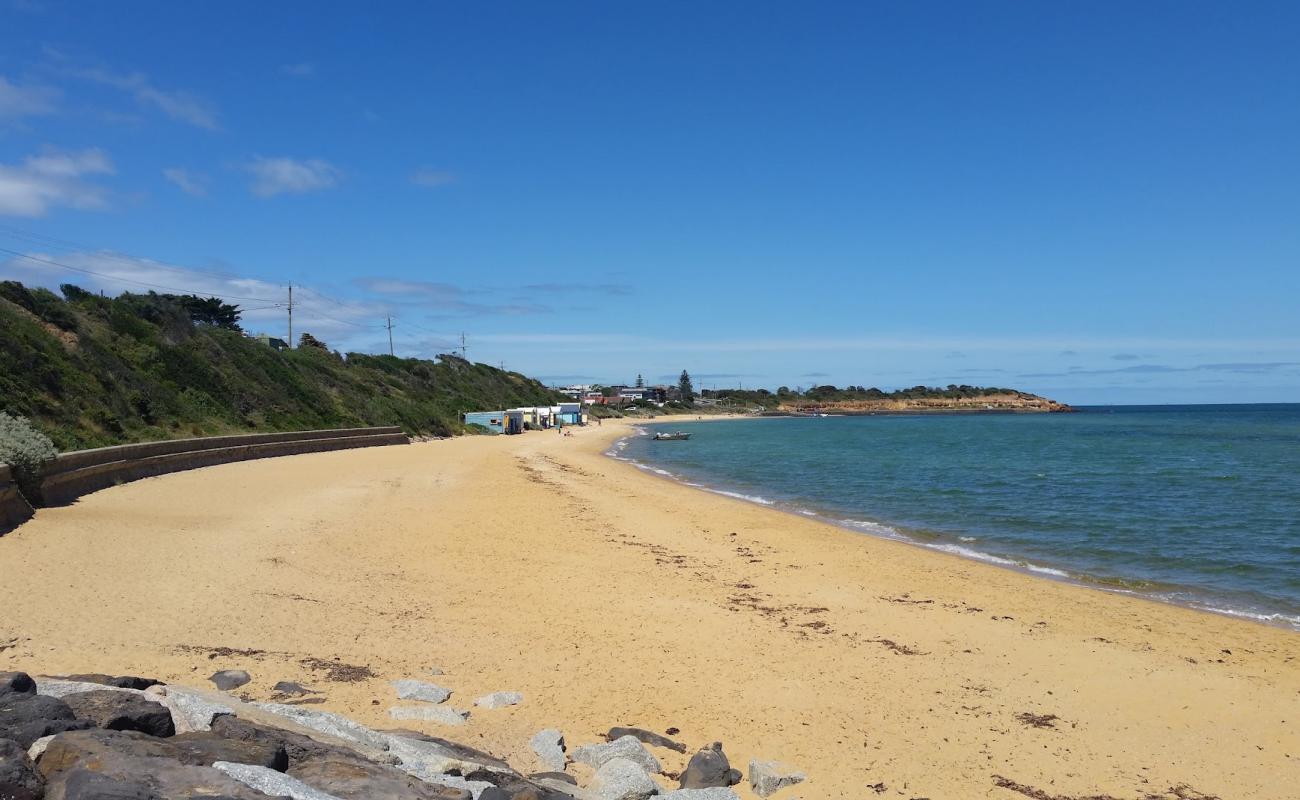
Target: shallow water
{"points": [[1192, 504]]}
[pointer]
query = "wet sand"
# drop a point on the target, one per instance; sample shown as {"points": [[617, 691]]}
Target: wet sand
{"points": [[612, 597]]}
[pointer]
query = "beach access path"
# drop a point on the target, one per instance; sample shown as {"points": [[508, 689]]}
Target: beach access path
{"points": [[608, 596]]}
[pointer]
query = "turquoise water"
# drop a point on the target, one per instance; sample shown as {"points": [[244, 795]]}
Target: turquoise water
{"points": [[1192, 504]]}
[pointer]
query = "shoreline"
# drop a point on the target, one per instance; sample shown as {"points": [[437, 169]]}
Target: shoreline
{"points": [[888, 532], [536, 564]]}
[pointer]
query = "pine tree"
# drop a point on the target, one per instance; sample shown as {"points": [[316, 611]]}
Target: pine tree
{"points": [[640, 382], [685, 388]]}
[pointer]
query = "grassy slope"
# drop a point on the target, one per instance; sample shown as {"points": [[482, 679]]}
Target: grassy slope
{"points": [[103, 371]]}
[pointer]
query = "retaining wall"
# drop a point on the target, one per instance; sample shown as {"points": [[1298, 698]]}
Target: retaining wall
{"points": [[71, 475], [14, 508]]}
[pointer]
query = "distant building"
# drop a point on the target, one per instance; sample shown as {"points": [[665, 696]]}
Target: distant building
{"points": [[272, 342]]}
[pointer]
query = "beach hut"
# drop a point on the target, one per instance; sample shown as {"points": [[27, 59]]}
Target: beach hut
{"points": [[529, 415], [494, 421], [513, 421], [569, 413], [545, 417]]}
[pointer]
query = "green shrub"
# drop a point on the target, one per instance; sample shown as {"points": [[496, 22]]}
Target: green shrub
{"points": [[23, 447]]}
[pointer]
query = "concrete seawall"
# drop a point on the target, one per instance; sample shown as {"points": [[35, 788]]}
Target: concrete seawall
{"points": [[74, 474], [14, 508]]}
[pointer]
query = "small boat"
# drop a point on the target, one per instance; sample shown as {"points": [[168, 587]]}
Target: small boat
{"points": [[671, 437]]}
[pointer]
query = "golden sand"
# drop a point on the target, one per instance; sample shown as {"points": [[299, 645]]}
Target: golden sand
{"points": [[611, 597]]}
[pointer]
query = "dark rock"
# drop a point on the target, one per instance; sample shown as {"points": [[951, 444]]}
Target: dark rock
{"points": [[135, 778], [298, 748], [291, 688], [82, 784], [709, 767], [19, 780], [122, 711], [358, 779], [646, 737], [229, 679], [523, 790], [563, 777], [119, 681], [17, 682], [27, 717], [204, 748]]}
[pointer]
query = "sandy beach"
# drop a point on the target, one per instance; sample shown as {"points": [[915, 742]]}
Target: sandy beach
{"points": [[608, 596]]}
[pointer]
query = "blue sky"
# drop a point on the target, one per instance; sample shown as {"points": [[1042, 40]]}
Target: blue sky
{"points": [[1099, 202]]}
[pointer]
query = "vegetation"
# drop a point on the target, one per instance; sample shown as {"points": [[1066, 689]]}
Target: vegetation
{"points": [[92, 371], [685, 389], [23, 448]]}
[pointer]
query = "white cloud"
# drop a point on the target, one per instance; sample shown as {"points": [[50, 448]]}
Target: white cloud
{"points": [[431, 178], [53, 179], [178, 104], [272, 176], [304, 69], [26, 101], [446, 298], [188, 182]]}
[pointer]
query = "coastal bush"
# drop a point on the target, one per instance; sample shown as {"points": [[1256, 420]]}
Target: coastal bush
{"points": [[23, 448]]}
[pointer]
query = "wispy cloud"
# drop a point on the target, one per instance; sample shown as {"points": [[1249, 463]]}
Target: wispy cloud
{"points": [[1069, 354], [188, 182], [272, 176], [18, 101], [446, 298], [568, 288], [432, 178], [178, 104], [51, 180], [303, 69], [815, 375], [1239, 367], [1126, 357]]}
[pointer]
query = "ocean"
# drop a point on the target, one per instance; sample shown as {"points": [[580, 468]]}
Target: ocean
{"points": [[1197, 505]]}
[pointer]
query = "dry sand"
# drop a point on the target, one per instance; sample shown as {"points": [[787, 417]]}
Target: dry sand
{"points": [[611, 597]]}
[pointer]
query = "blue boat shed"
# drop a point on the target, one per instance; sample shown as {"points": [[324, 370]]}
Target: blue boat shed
{"points": [[494, 421]]}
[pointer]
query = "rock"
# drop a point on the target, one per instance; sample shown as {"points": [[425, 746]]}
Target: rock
{"points": [[436, 755], [19, 780], [623, 779], [331, 724], [768, 777], [38, 747], [646, 737], [60, 687], [499, 700], [120, 711], [548, 744], [709, 768], [270, 782], [298, 748], [292, 688], [525, 790], [436, 671], [82, 784], [419, 690], [474, 789], [712, 793], [444, 715], [357, 779], [597, 755], [100, 764], [191, 710], [116, 681], [227, 680], [27, 717], [562, 777], [17, 682], [202, 749], [205, 748]]}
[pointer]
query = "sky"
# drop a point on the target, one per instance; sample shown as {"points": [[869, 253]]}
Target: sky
{"points": [[1099, 202]]}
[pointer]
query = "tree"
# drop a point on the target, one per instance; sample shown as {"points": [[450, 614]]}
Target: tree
{"points": [[640, 382], [211, 311], [307, 340], [685, 389]]}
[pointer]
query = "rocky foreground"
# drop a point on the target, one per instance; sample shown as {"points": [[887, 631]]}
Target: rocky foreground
{"points": [[101, 737]]}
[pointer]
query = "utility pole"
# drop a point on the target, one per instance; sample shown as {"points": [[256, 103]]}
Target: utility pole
{"points": [[291, 316], [390, 334], [462, 346]]}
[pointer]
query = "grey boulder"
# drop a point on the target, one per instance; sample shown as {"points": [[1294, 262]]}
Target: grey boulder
{"points": [[328, 723], [712, 793], [432, 754], [443, 715], [623, 779], [709, 768], [270, 782], [548, 744], [230, 679], [19, 780], [191, 710], [769, 777], [122, 711], [421, 690], [359, 779], [499, 700], [626, 747]]}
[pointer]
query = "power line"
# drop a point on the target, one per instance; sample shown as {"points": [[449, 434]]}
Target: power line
{"points": [[340, 321], [126, 258], [129, 280]]}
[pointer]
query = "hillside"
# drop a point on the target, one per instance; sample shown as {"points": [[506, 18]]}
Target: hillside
{"points": [[861, 400], [93, 371]]}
